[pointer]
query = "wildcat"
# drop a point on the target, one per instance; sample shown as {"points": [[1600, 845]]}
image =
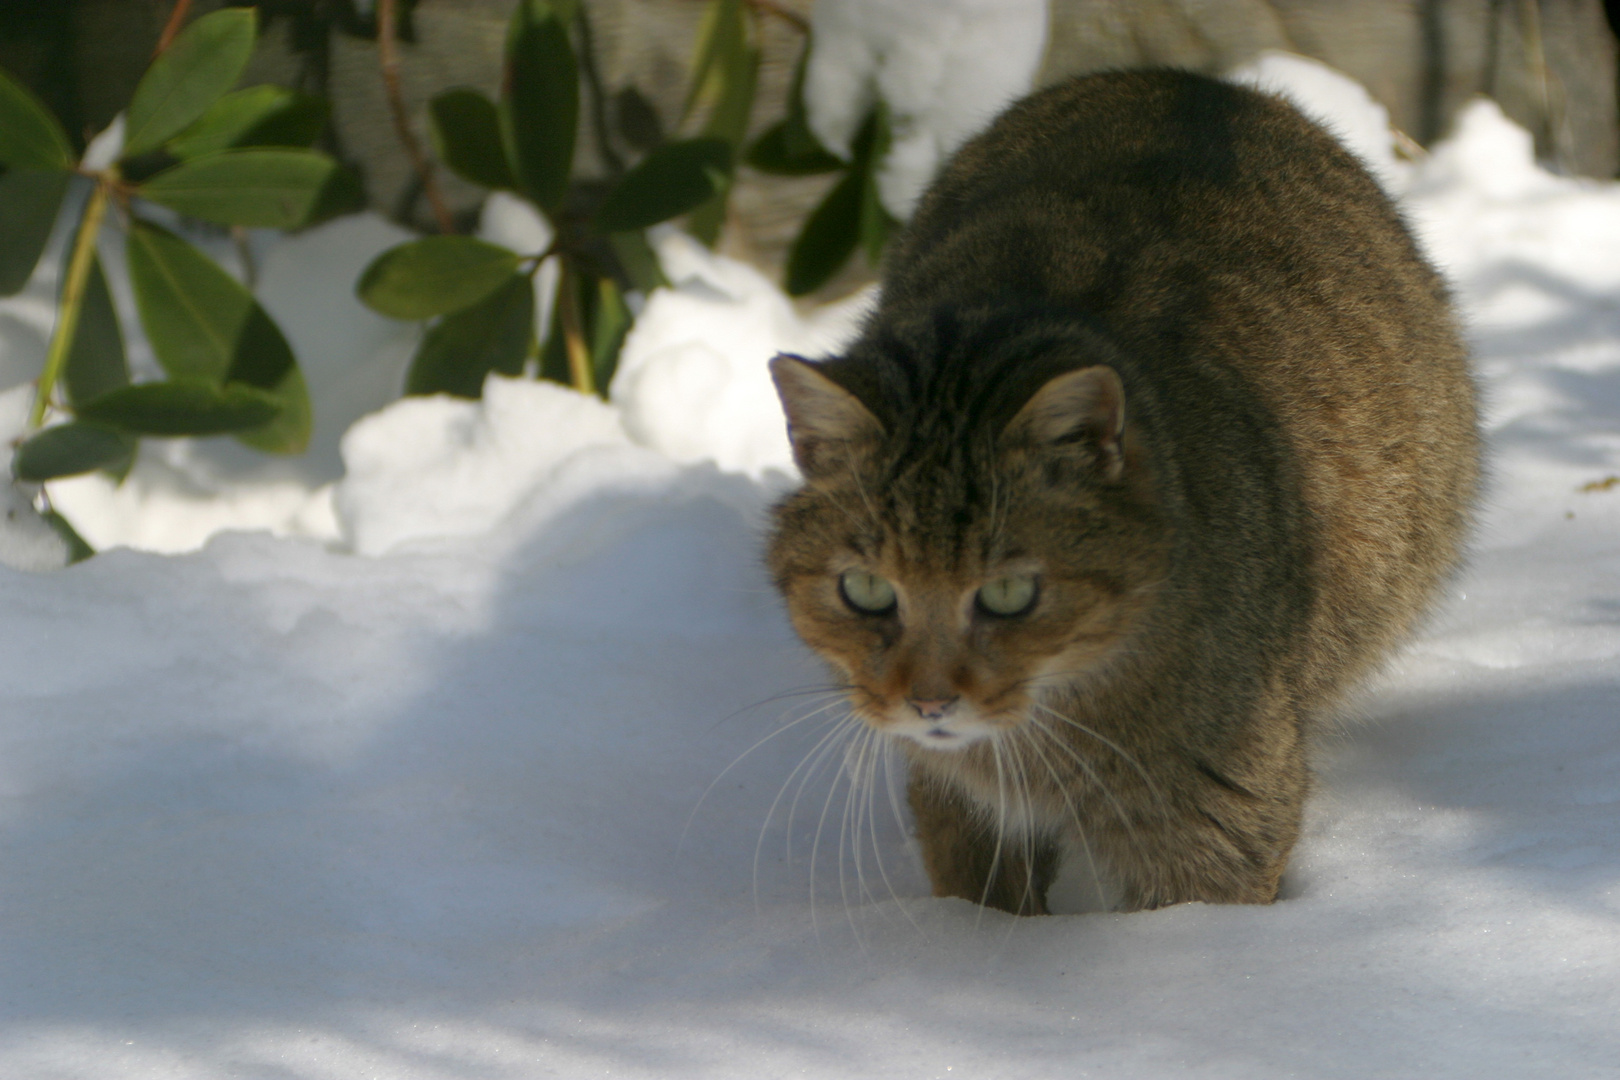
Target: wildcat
{"points": [[1159, 440]]}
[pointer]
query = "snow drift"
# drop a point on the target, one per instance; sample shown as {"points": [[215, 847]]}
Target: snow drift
{"points": [[470, 770]]}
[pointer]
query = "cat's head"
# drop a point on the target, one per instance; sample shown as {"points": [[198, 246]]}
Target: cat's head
{"points": [[954, 563]]}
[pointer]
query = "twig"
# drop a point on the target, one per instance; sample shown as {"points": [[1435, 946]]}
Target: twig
{"points": [[67, 316], [177, 18], [568, 303], [771, 7], [402, 126]]}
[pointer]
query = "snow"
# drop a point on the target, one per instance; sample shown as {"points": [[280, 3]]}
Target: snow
{"points": [[472, 783], [944, 69]]}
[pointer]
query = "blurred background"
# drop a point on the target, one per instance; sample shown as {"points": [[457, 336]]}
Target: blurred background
{"points": [[1551, 64]]}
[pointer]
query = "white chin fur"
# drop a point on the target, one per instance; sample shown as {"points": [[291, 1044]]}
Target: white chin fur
{"points": [[951, 733]]}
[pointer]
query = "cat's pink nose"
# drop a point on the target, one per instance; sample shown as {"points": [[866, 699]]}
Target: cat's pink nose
{"points": [[932, 710]]}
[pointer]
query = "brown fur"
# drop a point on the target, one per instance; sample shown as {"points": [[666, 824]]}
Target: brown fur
{"points": [[1161, 344]]}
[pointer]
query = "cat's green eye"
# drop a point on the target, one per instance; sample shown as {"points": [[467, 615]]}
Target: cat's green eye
{"points": [[1008, 596], [865, 592]]}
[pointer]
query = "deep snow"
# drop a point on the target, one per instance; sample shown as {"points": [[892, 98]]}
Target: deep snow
{"points": [[442, 808]]}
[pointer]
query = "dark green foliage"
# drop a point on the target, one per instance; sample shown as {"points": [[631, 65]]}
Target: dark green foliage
{"points": [[204, 325], [828, 238], [496, 334], [96, 362], [773, 153], [540, 110], [637, 120], [238, 159], [726, 74], [257, 116], [29, 201], [851, 215], [30, 137], [668, 182], [263, 188], [204, 61], [525, 143], [467, 137], [69, 449], [182, 407], [434, 276], [788, 148]]}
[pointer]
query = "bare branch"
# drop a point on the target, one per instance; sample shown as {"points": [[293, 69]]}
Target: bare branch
{"points": [[389, 58]]}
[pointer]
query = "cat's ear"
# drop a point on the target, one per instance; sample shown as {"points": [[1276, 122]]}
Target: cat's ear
{"points": [[1081, 410], [827, 425]]}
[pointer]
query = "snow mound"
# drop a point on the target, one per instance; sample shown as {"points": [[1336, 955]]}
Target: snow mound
{"points": [[692, 381], [945, 69], [429, 467]]}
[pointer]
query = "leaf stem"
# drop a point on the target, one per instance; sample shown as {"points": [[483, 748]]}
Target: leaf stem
{"points": [[389, 59], [579, 357], [177, 18], [67, 319]]}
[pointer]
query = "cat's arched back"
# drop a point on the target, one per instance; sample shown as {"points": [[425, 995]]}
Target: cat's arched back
{"points": [[1161, 437]]}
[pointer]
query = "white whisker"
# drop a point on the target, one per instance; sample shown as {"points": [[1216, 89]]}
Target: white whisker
{"points": [[738, 761], [1106, 741], [1074, 812], [1091, 774], [839, 727]]}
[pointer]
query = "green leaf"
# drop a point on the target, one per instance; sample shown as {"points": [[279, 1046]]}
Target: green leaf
{"points": [[182, 407], [721, 34], [203, 62], [638, 260], [29, 202], [258, 116], [726, 73], [798, 141], [828, 237], [193, 311], [539, 110], [96, 361], [707, 220], [876, 224], [289, 432], [772, 153], [734, 106], [30, 137], [430, 277], [610, 321], [729, 121], [205, 326], [78, 550], [277, 189], [467, 137], [790, 148], [70, 449], [342, 194], [850, 215], [637, 120], [496, 334], [669, 181]]}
